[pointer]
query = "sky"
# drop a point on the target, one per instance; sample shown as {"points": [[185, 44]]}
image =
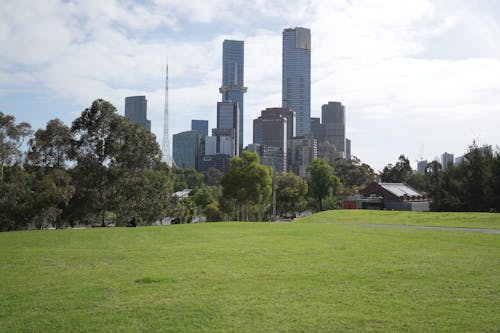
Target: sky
{"points": [[417, 77]]}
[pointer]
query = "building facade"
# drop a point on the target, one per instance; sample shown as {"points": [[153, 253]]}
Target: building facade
{"points": [[186, 147], [296, 76], [228, 123], [232, 88], [333, 119], [447, 159], [302, 150], [136, 109], [200, 126]]}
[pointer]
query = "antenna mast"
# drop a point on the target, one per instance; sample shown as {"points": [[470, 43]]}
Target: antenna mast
{"points": [[167, 157]]}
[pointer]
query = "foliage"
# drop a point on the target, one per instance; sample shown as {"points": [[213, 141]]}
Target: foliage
{"points": [[182, 210], [399, 173], [12, 136], [290, 194], [187, 178], [15, 199], [212, 212], [52, 190], [323, 182], [247, 181], [50, 147], [213, 177], [353, 174]]}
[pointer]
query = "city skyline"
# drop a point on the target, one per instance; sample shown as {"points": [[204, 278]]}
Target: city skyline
{"points": [[418, 78]]}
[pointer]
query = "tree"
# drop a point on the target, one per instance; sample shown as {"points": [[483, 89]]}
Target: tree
{"points": [[118, 166], [187, 178], [323, 182], [399, 173], [12, 137], [247, 181], [353, 174], [202, 196], [15, 198], [213, 177], [50, 147], [290, 193], [212, 212], [52, 190]]}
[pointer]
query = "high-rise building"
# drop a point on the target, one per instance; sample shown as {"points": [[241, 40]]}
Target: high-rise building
{"points": [[348, 149], [232, 89], [447, 159], [317, 129], [269, 113], [136, 109], [200, 126], [302, 150], [333, 119], [421, 166], [186, 147], [296, 76], [228, 120]]}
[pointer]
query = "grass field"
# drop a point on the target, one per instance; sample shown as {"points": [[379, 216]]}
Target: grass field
{"points": [[315, 274]]}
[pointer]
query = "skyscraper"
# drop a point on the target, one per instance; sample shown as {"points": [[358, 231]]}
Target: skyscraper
{"points": [[200, 126], [333, 118], [136, 109], [296, 76], [228, 122], [186, 147], [232, 89]]}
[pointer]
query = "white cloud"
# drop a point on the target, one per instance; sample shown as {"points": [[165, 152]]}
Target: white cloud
{"points": [[410, 73]]}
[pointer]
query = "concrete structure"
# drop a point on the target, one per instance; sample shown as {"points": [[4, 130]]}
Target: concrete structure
{"points": [[200, 126], [333, 120], [446, 160], [459, 160], [186, 147], [397, 196], [274, 157], [260, 136], [136, 109], [302, 150], [232, 89], [296, 76]]}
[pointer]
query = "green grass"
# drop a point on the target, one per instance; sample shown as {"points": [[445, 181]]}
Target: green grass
{"points": [[251, 277], [462, 220]]}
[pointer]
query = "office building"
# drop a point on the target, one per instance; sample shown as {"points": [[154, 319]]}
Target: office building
{"points": [[421, 166], [186, 146], [446, 160], [136, 109], [302, 150], [232, 89], [200, 126], [333, 119], [273, 113], [328, 152], [317, 129], [348, 149], [296, 76], [228, 122]]}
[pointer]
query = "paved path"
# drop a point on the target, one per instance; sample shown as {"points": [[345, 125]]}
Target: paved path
{"points": [[402, 226]]}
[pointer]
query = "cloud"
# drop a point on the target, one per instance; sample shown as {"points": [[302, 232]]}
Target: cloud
{"points": [[409, 72]]}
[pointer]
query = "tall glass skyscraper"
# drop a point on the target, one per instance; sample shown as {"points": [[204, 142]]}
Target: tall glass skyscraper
{"points": [[232, 89], [136, 109], [296, 76]]}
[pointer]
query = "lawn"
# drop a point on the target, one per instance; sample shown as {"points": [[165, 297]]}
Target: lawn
{"points": [[307, 276], [460, 220]]}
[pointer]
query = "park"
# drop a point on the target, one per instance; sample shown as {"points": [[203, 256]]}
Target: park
{"points": [[331, 271]]}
